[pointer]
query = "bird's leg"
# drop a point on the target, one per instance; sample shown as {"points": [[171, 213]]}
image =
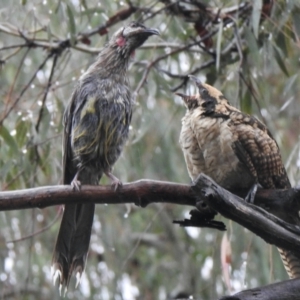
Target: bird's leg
{"points": [[251, 194], [115, 182], [76, 184]]}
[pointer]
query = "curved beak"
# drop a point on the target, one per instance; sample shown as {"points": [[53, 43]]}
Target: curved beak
{"points": [[151, 31]]}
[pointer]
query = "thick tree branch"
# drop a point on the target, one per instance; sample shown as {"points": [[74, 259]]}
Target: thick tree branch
{"points": [[205, 194], [141, 193], [283, 203], [208, 197], [270, 228], [284, 290]]}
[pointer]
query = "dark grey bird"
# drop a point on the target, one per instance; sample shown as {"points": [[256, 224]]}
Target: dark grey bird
{"points": [[96, 125]]}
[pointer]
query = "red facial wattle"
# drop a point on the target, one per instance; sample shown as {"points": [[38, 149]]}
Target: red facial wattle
{"points": [[121, 41]]}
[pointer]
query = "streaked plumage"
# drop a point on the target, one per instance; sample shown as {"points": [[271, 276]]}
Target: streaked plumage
{"points": [[234, 149], [96, 125]]}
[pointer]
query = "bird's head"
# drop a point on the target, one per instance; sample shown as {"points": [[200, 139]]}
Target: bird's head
{"points": [[130, 37], [191, 102], [208, 97]]}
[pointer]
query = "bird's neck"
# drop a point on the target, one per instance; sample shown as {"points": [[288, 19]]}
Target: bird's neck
{"points": [[110, 62]]}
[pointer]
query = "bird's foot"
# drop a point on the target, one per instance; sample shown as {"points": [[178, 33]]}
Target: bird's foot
{"points": [[115, 182], [251, 194], [76, 184]]}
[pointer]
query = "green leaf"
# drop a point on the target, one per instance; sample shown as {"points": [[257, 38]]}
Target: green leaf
{"points": [[252, 44], [57, 6], [281, 43], [280, 61], [91, 11], [22, 129], [246, 103], [256, 13], [290, 5], [289, 84], [211, 76], [49, 33], [6, 168], [44, 125], [72, 26], [9, 140], [83, 3], [219, 42], [296, 20]]}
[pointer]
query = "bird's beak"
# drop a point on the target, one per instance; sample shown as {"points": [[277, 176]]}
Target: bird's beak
{"points": [[183, 96], [180, 95], [196, 80], [151, 31]]}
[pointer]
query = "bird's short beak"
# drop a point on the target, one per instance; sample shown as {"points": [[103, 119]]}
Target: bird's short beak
{"points": [[180, 95], [196, 80], [184, 97]]}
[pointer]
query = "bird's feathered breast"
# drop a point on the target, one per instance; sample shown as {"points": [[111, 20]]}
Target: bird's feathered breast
{"points": [[230, 142], [206, 140], [233, 148], [97, 108]]}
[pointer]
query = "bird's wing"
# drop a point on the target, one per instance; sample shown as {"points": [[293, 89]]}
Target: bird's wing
{"points": [[74, 235], [77, 108], [68, 173], [256, 148]]}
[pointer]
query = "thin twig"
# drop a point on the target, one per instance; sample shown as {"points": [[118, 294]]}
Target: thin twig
{"points": [[25, 89], [39, 231], [185, 79], [13, 46], [46, 93], [252, 92], [16, 76]]}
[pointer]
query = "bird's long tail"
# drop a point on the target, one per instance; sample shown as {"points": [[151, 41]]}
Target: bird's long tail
{"points": [[72, 243], [291, 263]]}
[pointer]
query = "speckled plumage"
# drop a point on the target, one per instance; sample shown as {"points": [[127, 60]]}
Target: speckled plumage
{"points": [[235, 149], [96, 125]]}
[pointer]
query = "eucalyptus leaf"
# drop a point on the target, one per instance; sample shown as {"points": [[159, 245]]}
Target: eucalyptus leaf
{"points": [[290, 83], [44, 125], [219, 43], [252, 44], [72, 26], [256, 14], [22, 130], [246, 102], [296, 20], [280, 61], [281, 42], [9, 140]]}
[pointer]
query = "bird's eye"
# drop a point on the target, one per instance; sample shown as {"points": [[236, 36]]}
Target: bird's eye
{"points": [[204, 92]]}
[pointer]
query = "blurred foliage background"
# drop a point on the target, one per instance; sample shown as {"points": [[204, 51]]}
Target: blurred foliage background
{"points": [[248, 49]]}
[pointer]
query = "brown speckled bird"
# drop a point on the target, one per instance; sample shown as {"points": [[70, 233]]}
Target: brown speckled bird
{"points": [[235, 149], [96, 125]]}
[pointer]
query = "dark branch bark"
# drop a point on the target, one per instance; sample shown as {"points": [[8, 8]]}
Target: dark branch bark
{"points": [[202, 217], [273, 230], [208, 197], [284, 290], [270, 228], [141, 193]]}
